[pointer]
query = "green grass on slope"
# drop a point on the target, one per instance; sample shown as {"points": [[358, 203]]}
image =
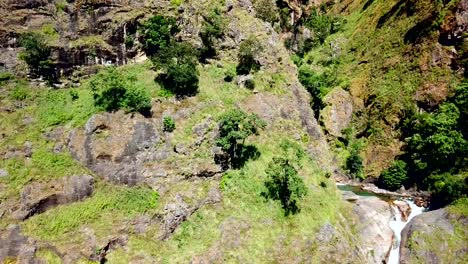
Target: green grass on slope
{"points": [[382, 61], [265, 222], [108, 205]]}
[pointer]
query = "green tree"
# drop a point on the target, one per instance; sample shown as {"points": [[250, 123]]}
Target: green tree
{"points": [[395, 176], [178, 64], [446, 188], [235, 127], [321, 25], [248, 49], [37, 54], [284, 184], [435, 144], [112, 91], [157, 33]]}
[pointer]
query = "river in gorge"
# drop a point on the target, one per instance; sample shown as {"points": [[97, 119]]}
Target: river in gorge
{"points": [[397, 222]]}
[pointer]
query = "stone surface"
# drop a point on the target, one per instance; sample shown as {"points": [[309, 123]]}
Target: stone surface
{"points": [[374, 216], [439, 226], [3, 173], [16, 246], [337, 115], [404, 209], [37, 197]]}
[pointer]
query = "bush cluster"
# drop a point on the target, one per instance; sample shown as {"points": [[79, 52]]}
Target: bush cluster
{"points": [[157, 33], [37, 54], [321, 25], [178, 66], [248, 49], [284, 184], [112, 92], [212, 28], [168, 124], [436, 151], [235, 126], [317, 85]]}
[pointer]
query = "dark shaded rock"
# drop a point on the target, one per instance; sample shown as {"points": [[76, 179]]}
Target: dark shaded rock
{"points": [[37, 198], [16, 246], [111, 244]]}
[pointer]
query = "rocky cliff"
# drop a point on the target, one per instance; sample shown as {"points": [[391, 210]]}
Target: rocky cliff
{"points": [[81, 184]]}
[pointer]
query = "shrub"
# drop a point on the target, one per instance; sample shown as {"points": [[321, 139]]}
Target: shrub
{"points": [[321, 26], [112, 92], [284, 184], [212, 29], [447, 188], [248, 49], [267, 10], [129, 42], [234, 128], [168, 124], [317, 85], [394, 177], [6, 76], [179, 69], [354, 163], [37, 56], [157, 33], [229, 75]]}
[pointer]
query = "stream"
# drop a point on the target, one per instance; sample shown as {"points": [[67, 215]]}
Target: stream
{"points": [[396, 224]]}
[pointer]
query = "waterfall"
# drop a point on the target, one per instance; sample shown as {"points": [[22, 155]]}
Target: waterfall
{"points": [[397, 225]]}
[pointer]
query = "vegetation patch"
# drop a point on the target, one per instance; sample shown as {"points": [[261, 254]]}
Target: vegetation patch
{"points": [[116, 202]]}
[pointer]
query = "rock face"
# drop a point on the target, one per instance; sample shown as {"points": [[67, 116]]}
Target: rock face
{"points": [[404, 209], [131, 149], [37, 198], [376, 235], [337, 115], [84, 32], [426, 239], [16, 246]]}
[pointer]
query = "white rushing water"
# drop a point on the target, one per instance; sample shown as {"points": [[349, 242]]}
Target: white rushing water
{"points": [[397, 226]]}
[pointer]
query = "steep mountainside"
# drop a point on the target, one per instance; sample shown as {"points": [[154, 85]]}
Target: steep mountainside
{"points": [[209, 131]]}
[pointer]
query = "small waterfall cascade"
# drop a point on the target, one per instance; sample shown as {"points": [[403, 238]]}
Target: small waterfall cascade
{"points": [[397, 225]]}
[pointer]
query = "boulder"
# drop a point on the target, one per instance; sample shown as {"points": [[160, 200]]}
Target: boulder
{"points": [[373, 226], [337, 115], [428, 238], [3, 173], [404, 209], [115, 146], [15, 247], [37, 197]]}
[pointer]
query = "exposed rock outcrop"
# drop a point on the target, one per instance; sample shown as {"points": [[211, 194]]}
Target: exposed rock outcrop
{"points": [[376, 235], [337, 115], [427, 239], [130, 149], [14, 246], [37, 198]]}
